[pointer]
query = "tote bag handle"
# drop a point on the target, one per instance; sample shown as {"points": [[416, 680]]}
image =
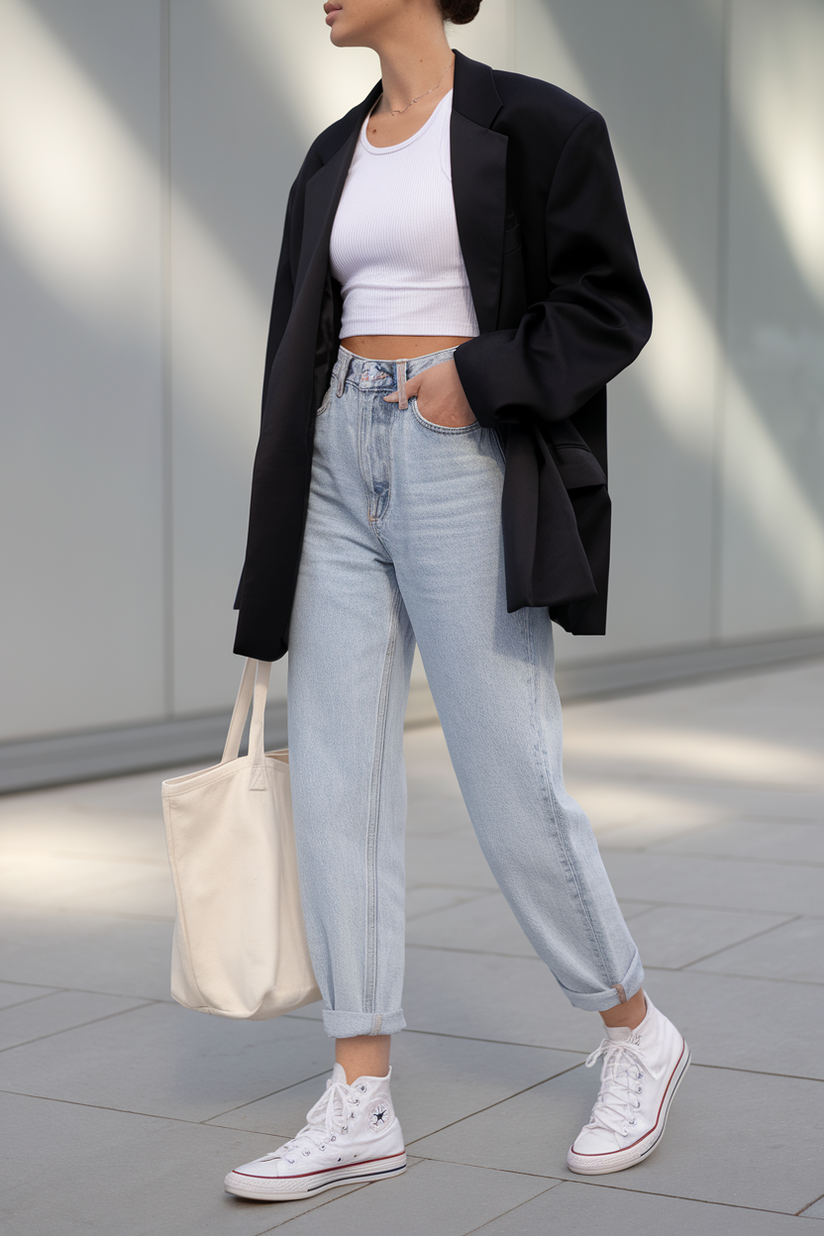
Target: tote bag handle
{"points": [[254, 689]]}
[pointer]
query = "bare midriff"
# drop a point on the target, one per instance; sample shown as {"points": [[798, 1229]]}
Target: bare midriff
{"points": [[400, 347]]}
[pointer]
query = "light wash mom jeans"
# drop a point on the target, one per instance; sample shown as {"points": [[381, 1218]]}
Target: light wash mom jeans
{"points": [[403, 543]]}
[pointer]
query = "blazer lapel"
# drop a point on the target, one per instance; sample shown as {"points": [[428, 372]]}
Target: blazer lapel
{"points": [[479, 184], [324, 189]]}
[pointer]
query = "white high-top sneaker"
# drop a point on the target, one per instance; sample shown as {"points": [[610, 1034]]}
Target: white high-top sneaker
{"points": [[350, 1134], [642, 1071]]}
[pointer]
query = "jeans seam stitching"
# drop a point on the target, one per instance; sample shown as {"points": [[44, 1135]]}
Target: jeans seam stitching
{"points": [[450, 431], [371, 976], [560, 832]]}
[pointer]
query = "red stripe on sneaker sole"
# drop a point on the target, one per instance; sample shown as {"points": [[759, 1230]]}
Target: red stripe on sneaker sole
{"points": [[326, 1171]]}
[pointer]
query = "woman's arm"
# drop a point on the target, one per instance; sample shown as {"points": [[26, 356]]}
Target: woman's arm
{"points": [[597, 316]]}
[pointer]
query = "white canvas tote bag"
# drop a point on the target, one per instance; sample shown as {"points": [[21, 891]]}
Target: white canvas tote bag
{"points": [[240, 941]]}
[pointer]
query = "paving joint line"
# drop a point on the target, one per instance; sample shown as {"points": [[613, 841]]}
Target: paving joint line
{"points": [[814, 1202], [56, 991], [765, 931], [731, 1068], [786, 915], [40, 1038], [115, 995], [802, 864], [125, 1111], [491, 1106], [758, 978], [270, 1095], [678, 1197], [512, 1209]]}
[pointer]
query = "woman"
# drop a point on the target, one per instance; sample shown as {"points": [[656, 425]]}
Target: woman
{"points": [[450, 491]]}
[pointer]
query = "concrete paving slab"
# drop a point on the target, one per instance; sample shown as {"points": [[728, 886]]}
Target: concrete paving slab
{"points": [[428, 899], [623, 809], [532, 1130], [762, 887], [613, 745], [727, 1022], [54, 882], [722, 1018], [433, 817], [668, 936], [676, 936], [115, 1173], [163, 1060], [587, 1208], [717, 831], [715, 1109], [634, 909], [46, 822], [500, 999], [795, 951], [783, 700], [152, 896], [744, 802], [443, 1198], [453, 859], [139, 792], [781, 841], [695, 800], [435, 1081], [12, 994], [485, 925], [65, 1010], [93, 952]]}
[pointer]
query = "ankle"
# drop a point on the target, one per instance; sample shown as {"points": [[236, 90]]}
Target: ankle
{"points": [[628, 1015], [364, 1056]]}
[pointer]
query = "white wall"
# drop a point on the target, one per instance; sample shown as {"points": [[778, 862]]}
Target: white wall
{"points": [[146, 148], [81, 461]]}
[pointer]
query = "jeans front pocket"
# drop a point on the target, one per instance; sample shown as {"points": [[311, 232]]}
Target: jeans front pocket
{"points": [[327, 399], [433, 428]]}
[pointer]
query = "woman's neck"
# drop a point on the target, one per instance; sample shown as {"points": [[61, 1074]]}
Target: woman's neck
{"points": [[415, 68]]}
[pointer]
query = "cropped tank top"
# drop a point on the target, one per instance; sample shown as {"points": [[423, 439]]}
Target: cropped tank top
{"points": [[394, 246]]}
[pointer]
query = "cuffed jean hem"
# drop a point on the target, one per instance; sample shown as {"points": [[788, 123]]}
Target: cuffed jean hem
{"points": [[352, 1025], [619, 993]]}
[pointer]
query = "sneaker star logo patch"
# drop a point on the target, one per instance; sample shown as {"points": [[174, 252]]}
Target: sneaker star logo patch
{"points": [[379, 1118]]}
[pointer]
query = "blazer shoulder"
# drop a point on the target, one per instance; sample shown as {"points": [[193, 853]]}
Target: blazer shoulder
{"points": [[327, 143], [535, 102]]}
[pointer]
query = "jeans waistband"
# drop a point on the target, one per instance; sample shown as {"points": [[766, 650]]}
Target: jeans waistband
{"points": [[387, 375]]}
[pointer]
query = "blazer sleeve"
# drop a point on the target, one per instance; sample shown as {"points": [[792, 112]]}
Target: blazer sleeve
{"points": [[597, 316], [284, 291]]}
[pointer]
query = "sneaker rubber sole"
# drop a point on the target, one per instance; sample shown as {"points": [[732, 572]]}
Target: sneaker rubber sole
{"points": [[293, 1188], [620, 1160]]}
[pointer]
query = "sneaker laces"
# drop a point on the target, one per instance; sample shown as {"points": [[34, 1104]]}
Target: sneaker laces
{"points": [[617, 1100], [325, 1122]]}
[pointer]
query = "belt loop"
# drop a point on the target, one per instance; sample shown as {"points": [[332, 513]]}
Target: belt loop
{"points": [[400, 378], [343, 369]]}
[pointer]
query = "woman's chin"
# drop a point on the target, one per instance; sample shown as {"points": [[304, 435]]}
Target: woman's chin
{"points": [[338, 38]]}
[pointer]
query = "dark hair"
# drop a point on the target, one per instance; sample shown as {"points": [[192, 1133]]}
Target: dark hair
{"points": [[459, 12]]}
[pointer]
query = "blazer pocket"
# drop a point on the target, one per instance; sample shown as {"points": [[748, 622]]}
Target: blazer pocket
{"points": [[512, 238], [577, 466]]}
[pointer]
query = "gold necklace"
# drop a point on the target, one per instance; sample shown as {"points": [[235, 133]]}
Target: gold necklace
{"points": [[400, 110]]}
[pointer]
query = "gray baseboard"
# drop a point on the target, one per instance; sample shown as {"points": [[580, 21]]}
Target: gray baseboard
{"points": [[625, 675], [84, 756], [64, 758]]}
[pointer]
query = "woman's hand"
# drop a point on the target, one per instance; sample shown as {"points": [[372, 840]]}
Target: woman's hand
{"points": [[441, 397]]}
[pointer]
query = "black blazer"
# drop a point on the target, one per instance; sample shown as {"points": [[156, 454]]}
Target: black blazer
{"points": [[561, 308]]}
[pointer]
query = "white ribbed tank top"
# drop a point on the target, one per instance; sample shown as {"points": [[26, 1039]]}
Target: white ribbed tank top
{"points": [[394, 246]]}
